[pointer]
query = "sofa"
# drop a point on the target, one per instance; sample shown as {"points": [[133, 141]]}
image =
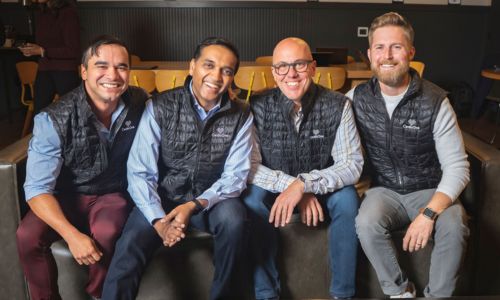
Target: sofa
{"points": [[185, 271]]}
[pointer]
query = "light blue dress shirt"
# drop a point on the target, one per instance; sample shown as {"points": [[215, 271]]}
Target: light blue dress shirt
{"points": [[142, 165], [45, 154]]}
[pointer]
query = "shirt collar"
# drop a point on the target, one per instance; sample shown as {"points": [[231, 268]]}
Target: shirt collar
{"points": [[199, 109]]}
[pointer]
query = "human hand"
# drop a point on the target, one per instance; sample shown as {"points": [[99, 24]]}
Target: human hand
{"points": [[310, 210], [29, 49], [418, 233], [177, 222], [282, 210], [83, 249]]}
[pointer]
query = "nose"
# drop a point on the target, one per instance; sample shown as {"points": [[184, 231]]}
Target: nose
{"points": [[217, 74], [292, 72], [388, 53], [112, 73]]}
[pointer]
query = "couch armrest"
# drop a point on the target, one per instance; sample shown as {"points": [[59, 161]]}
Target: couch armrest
{"points": [[12, 164], [485, 175]]}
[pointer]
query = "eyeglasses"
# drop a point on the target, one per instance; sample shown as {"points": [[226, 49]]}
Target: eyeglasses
{"points": [[299, 67]]}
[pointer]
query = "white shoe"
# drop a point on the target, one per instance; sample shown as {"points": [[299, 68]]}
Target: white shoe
{"points": [[409, 293]]}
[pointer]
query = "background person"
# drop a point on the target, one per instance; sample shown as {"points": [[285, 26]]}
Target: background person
{"points": [[57, 46]]}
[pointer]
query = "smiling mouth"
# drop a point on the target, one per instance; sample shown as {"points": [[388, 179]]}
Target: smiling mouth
{"points": [[292, 83], [110, 85], [212, 86]]}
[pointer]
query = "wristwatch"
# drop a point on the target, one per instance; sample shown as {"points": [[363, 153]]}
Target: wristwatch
{"points": [[429, 213], [198, 207]]}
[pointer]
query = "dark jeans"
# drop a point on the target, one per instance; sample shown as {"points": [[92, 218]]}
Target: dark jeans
{"points": [[139, 241], [342, 207], [50, 83], [101, 217]]}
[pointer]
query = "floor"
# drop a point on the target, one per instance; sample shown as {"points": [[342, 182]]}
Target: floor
{"points": [[10, 131]]}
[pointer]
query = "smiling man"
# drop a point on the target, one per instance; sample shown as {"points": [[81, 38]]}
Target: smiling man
{"points": [[187, 167], [417, 161], [75, 176], [306, 154]]}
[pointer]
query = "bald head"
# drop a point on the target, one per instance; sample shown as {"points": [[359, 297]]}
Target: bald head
{"points": [[290, 48], [293, 68]]}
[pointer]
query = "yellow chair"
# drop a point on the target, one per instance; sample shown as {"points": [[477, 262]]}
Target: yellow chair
{"points": [[169, 79], [27, 74], [418, 66], [134, 60], [264, 60], [144, 79], [254, 79], [330, 77]]}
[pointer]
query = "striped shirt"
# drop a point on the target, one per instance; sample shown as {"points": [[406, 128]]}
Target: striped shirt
{"points": [[346, 154]]}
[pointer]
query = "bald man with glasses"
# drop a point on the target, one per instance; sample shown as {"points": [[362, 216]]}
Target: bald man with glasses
{"points": [[306, 156]]}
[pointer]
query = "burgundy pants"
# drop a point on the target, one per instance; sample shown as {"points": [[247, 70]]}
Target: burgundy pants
{"points": [[100, 216]]}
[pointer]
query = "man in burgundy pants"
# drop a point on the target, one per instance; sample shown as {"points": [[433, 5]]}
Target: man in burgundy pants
{"points": [[76, 171]]}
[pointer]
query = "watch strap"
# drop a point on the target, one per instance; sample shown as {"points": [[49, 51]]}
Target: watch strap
{"points": [[199, 206]]}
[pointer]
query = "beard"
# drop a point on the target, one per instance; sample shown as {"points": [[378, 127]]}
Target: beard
{"points": [[392, 78]]}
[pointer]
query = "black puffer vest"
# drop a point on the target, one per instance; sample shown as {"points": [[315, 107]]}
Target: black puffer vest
{"points": [[282, 148], [401, 150], [89, 167], [193, 154]]}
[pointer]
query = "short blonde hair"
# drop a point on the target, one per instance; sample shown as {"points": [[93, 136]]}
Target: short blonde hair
{"points": [[391, 19]]}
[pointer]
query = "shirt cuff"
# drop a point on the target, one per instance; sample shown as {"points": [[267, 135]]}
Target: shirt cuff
{"points": [[211, 196], [308, 180], [152, 212]]}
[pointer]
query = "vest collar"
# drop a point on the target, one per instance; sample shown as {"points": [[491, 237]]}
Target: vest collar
{"points": [[307, 101]]}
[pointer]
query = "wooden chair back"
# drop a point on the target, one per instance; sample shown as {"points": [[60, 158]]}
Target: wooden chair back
{"points": [[26, 70], [254, 79], [330, 77], [169, 79], [418, 66], [264, 60], [144, 79]]}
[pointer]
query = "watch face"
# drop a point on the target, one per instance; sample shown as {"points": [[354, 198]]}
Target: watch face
{"points": [[429, 213]]}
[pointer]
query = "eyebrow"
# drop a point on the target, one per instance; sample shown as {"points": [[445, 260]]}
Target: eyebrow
{"points": [[222, 67], [105, 63]]}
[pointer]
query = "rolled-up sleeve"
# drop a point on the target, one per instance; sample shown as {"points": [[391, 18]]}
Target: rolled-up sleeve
{"points": [[44, 158]]}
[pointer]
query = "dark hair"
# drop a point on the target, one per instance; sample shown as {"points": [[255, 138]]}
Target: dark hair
{"points": [[220, 42], [93, 48]]}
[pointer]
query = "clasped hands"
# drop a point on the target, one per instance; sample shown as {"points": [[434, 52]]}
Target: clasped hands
{"points": [[172, 227], [31, 49], [310, 209]]}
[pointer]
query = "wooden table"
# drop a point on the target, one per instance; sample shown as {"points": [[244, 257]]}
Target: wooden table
{"points": [[491, 74]]}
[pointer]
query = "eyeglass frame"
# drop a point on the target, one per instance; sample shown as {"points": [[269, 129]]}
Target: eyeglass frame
{"points": [[294, 65]]}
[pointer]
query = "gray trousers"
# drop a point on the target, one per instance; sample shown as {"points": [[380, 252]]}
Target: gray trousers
{"points": [[383, 211]]}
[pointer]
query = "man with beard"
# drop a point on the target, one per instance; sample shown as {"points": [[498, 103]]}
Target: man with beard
{"points": [[417, 161], [307, 155]]}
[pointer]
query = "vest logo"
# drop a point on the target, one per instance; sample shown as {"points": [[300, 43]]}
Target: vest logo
{"points": [[412, 124], [128, 126], [316, 134], [219, 133]]}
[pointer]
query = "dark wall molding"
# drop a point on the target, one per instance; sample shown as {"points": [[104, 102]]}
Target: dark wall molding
{"points": [[451, 40]]}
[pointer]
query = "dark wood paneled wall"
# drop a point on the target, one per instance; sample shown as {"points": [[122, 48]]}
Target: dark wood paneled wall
{"points": [[450, 40]]}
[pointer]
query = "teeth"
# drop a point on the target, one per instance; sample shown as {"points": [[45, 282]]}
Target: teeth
{"points": [[214, 86], [110, 85], [292, 83]]}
